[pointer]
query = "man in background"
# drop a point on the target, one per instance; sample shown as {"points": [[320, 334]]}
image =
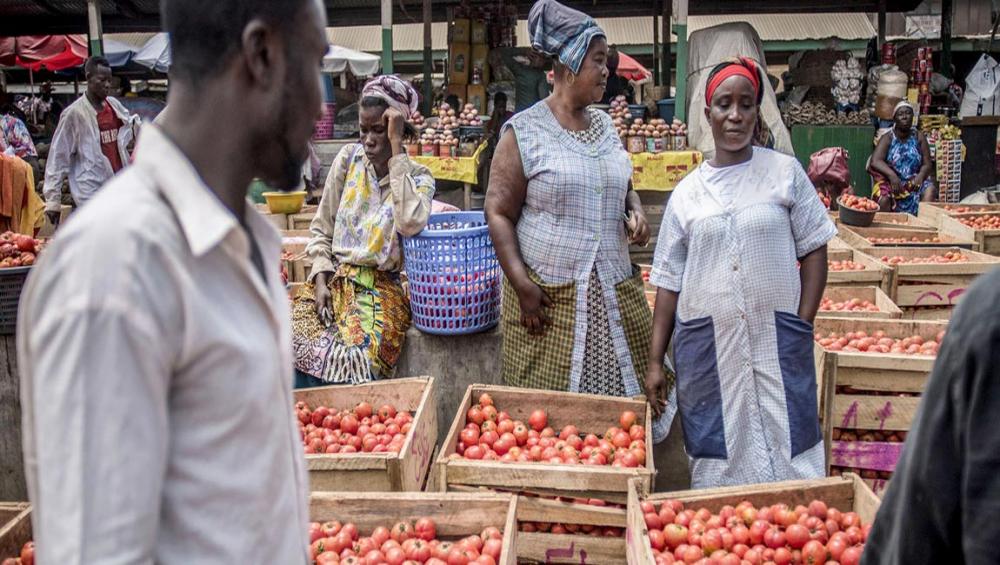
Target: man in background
{"points": [[156, 326], [529, 70], [91, 142], [616, 85]]}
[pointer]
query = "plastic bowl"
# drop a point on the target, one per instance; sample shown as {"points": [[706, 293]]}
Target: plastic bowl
{"points": [[856, 218], [285, 202]]}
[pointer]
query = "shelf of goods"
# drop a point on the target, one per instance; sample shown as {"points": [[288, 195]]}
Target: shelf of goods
{"points": [[867, 400], [933, 212], [456, 516], [858, 302], [846, 494], [851, 268], [592, 414], [948, 159], [373, 472], [931, 281], [15, 528], [983, 228], [870, 240]]}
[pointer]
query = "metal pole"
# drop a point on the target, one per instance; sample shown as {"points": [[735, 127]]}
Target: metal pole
{"points": [[428, 60], [881, 23], [681, 28], [947, 13], [666, 61], [95, 32], [387, 37], [656, 44]]}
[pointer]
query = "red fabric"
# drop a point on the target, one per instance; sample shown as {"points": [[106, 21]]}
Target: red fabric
{"points": [[745, 68], [108, 123], [631, 69], [53, 52]]}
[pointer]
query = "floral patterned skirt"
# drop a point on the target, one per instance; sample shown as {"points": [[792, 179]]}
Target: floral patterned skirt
{"points": [[370, 317]]}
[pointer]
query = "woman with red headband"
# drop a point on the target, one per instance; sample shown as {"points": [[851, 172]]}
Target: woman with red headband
{"points": [[739, 308]]}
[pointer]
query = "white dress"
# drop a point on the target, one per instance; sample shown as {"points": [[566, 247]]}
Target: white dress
{"points": [[746, 386]]}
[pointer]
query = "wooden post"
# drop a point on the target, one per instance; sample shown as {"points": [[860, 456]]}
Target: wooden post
{"points": [[387, 37], [94, 30], [428, 60], [656, 44], [947, 14], [680, 106], [665, 60], [881, 23], [12, 484]]}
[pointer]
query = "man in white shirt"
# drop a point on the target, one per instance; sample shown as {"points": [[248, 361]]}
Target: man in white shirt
{"points": [[154, 337], [91, 142]]}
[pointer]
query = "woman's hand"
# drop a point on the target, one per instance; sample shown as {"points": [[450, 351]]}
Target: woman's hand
{"points": [[533, 302], [640, 232], [656, 389], [394, 122], [895, 183], [323, 298]]}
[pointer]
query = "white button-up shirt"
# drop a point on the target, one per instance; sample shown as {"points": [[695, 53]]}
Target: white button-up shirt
{"points": [[76, 152], [156, 381]]}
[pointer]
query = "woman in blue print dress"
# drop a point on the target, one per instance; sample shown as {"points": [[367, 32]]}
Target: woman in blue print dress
{"points": [[901, 165], [736, 304]]}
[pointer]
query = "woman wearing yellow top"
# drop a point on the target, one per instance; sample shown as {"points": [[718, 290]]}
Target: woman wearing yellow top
{"points": [[350, 318]]}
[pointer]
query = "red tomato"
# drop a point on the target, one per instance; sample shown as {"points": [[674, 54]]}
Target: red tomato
{"points": [[774, 538], [442, 550], [380, 535], [520, 432], [475, 452], [469, 436], [591, 440], [490, 412], [851, 555], [653, 521], [395, 556], [475, 415], [814, 553], [621, 439], [850, 519], [349, 424], [752, 556], [675, 535], [319, 415], [627, 419], [656, 539], [402, 531], [363, 410], [491, 533], [757, 531], [489, 438], [461, 556], [692, 554], [711, 541], [492, 547], [782, 556], [629, 459], [538, 420], [327, 558], [505, 427], [797, 535], [567, 431], [485, 400], [425, 529]]}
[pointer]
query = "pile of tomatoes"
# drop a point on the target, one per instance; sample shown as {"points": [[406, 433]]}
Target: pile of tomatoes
{"points": [[494, 436], [879, 342], [775, 534], [914, 239], [350, 431], [836, 471], [869, 435], [17, 250], [958, 209], [334, 543], [858, 203], [845, 265], [991, 222], [27, 556], [852, 305], [949, 257]]}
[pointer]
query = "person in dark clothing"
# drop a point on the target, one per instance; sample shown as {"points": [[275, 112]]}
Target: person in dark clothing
{"points": [[616, 84], [943, 505]]}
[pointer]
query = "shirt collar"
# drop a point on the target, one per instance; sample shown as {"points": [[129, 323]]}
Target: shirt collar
{"points": [[205, 221]]}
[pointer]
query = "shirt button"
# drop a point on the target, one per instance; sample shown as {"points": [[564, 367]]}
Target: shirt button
{"points": [[736, 267], [743, 316]]}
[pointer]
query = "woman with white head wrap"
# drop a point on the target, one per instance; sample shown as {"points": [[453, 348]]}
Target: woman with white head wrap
{"points": [[351, 316], [901, 165]]}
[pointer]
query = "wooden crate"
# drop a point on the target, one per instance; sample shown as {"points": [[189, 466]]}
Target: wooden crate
{"points": [[876, 382], [837, 243], [875, 274], [987, 241], [939, 313], [373, 472], [848, 493], [933, 284], [15, 528], [897, 220], [301, 220], [591, 413], [279, 221], [456, 515], [859, 238], [932, 212], [875, 295]]}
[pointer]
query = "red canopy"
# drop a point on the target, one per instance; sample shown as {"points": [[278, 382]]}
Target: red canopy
{"points": [[53, 52], [630, 69]]}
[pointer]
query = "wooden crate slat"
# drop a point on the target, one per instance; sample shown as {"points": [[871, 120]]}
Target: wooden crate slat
{"points": [[869, 455], [867, 412], [15, 528], [535, 509], [569, 549], [875, 295], [862, 238]]}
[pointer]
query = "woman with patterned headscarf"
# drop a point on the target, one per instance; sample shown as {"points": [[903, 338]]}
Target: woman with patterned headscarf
{"points": [[574, 316], [351, 316], [735, 302]]}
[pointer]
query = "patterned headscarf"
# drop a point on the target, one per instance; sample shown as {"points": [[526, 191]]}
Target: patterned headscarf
{"points": [[559, 31], [395, 91]]}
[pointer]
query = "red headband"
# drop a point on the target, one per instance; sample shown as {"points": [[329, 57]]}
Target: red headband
{"points": [[744, 68]]}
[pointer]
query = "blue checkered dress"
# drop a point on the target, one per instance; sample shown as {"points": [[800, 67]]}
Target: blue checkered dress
{"points": [[746, 384], [571, 225]]}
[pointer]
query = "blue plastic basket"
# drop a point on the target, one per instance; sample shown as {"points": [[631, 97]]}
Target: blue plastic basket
{"points": [[453, 274]]}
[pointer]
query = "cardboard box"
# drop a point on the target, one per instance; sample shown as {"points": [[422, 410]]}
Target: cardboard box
{"points": [[460, 91], [479, 32], [461, 30], [480, 58], [477, 97], [459, 63]]}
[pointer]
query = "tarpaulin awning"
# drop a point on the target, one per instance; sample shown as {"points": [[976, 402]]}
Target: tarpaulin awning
{"points": [[118, 53], [155, 54], [631, 69], [35, 52], [338, 58]]}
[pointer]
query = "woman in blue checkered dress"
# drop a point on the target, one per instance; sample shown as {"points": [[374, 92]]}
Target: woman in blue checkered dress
{"points": [[574, 313], [736, 304]]}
